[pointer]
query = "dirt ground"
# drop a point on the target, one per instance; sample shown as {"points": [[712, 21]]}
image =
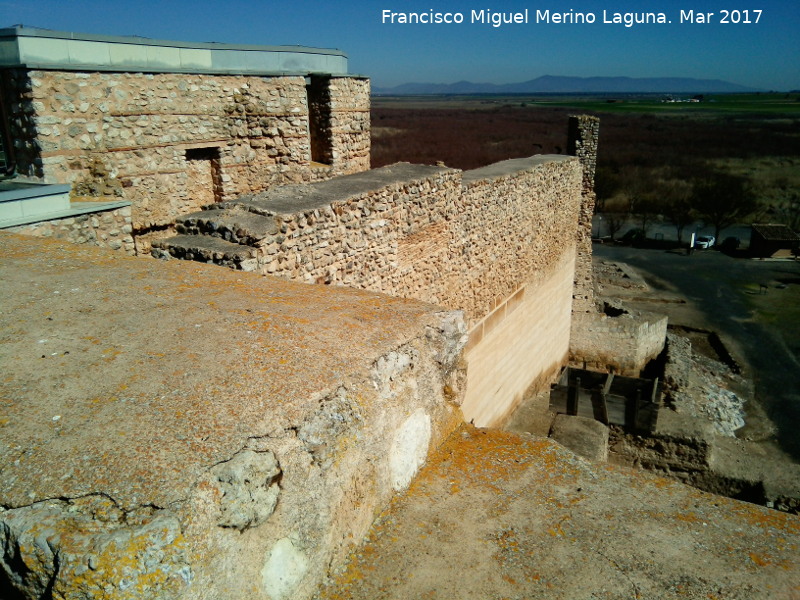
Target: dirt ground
{"points": [[507, 515], [494, 516], [646, 291]]}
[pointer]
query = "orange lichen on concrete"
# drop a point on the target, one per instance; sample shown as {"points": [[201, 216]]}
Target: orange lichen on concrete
{"points": [[146, 349], [132, 380], [557, 526]]}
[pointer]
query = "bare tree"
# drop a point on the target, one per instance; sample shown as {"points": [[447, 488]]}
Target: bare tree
{"points": [[788, 208], [791, 211], [614, 222], [606, 184], [615, 215], [677, 203], [722, 200], [638, 187], [646, 210]]}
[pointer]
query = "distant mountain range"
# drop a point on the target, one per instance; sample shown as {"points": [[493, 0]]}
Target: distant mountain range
{"points": [[549, 84]]}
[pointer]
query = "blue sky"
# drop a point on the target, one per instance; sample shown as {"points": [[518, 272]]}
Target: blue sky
{"points": [[765, 55]]}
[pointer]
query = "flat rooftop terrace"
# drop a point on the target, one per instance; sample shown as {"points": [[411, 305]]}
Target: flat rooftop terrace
{"points": [[136, 375]]}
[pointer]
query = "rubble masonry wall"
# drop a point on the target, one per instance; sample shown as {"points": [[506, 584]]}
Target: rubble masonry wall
{"points": [[582, 140], [497, 243], [622, 345], [107, 229], [458, 240], [161, 141]]}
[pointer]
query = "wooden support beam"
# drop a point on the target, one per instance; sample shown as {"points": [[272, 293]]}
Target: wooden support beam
{"points": [[573, 396]]}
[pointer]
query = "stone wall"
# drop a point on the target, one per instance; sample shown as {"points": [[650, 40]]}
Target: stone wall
{"points": [[622, 344], [350, 130], [143, 137], [515, 226], [466, 241], [521, 346], [583, 136], [107, 229], [497, 242], [391, 237]]}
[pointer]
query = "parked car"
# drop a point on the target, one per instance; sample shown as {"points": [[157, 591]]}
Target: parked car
{"points": [[729, 244], [633, 237], [704, 241]]}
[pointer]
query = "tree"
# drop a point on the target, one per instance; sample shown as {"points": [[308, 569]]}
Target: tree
{"points": [[722, 200], [637, 185], [677, 203], [615, 215], [646, 210], [614, 222], [606, 184], [788, 203], [790, 211]]}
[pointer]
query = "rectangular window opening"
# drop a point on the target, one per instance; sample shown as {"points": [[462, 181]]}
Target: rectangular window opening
{"points": [[205, 176], [319, 119]]}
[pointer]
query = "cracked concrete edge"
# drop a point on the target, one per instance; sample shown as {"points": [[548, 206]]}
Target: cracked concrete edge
{"points": [[88, 547]]}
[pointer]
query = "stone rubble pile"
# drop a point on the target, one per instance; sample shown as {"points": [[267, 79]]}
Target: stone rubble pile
{"points": [[700, 387], [725, 409]]}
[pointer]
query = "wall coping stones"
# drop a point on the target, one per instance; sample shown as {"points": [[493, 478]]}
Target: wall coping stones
{"points": [[292, 199], [511, 166], [247, 227]]}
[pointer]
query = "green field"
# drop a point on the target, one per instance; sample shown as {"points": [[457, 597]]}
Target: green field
{"points": [[773, 103], [762, 104]]}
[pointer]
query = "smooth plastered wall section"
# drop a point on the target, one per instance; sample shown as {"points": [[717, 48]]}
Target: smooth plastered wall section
{"points": [[520, 346]]}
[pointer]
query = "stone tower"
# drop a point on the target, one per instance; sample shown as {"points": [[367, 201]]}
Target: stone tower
{"points": [[582, 142]]}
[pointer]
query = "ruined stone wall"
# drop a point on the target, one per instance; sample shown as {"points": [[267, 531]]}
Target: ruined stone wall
{"points": [[467, 242], [131, 136], [515, 224], [393, 239], [583, 135], [350, 130], [519, 235], [621, 344], [108, 229]]}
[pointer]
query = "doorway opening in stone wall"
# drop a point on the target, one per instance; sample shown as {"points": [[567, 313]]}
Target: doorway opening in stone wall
{"points": [[318, 93], [204, 181]]}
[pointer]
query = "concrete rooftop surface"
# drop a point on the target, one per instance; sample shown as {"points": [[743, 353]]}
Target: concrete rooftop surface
{"points": [[130, 377], [497, 516]]}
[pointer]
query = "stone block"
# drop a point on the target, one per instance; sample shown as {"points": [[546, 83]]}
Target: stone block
{"points": [[585, 437]]}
